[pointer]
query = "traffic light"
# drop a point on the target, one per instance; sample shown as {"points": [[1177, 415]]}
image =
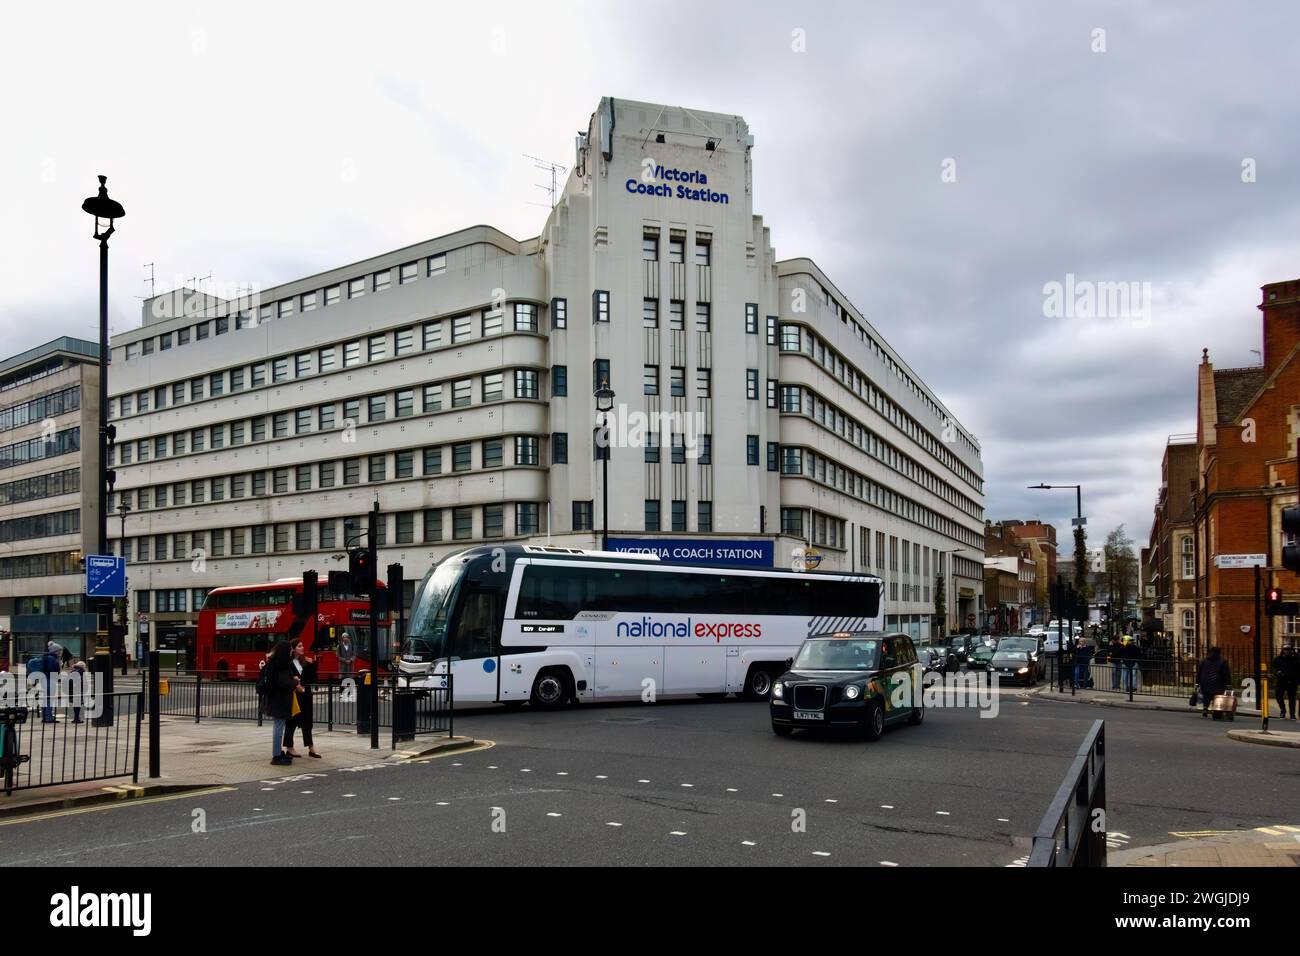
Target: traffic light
{"points": [[362, 570], [340, 582], [1291, 526], [1273, 601], [305, 604]]}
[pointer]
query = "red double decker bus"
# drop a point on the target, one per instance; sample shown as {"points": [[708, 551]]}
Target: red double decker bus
{"points": [[239, 625]]}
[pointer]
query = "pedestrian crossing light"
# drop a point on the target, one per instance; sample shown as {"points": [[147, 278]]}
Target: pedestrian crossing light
{"points": [[362, 571], [1273, 601]]}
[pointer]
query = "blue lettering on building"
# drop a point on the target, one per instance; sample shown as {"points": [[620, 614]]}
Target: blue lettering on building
{"points": [[710, 552], [667, 174]]}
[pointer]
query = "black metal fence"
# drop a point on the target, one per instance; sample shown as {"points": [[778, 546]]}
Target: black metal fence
{"points": [[1145, 676], [78, 744], [337, 704], [1073, 831]]}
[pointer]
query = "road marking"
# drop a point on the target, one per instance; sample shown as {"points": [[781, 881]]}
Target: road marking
{"points": [[688, 785], [257, 809], [887, 863], [886, 806], [820, 853], [732, 790], [942, 813], [1019, 861], [677, 833], [268, 789], [525, 770], [748, 843], [778, 794], [117, 805], [349, 794], [442, 803], [394, 798], [643, 781], [1003, 820], [457, 765], [611, 823], [561, 773], [601, 776], [481, 745], [552, 814], [828, 800], [492, 766], [306, 791]]}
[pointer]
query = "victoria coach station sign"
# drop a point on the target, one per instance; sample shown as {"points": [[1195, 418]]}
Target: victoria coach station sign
{"points": [[718, 551], [665, 181]]}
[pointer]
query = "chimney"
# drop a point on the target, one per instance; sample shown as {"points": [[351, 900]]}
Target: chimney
{"points": [[1281, 308]]}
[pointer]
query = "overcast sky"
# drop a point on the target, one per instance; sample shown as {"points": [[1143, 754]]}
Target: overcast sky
{"points": [[942, 162]]}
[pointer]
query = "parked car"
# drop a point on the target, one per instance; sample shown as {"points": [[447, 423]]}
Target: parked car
{"points": [[1013, 667], [848, 679]]}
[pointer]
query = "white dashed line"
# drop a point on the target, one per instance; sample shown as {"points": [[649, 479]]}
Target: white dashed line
{"points": [[268, 789], [554, 814], [688, 785], [493, 767], [748, 843], [1003, 820], [561, 773], [601, 776], [778, 794], [828, 800], [643, 781], [886, 806], [820, 853], [442, 803], [456, 765], [942, 813], [394, 798], [887, 863], [525, 770], [257, 809], [677, 833], [732, 790], [306, 791], [349, 794], [611, 823]]}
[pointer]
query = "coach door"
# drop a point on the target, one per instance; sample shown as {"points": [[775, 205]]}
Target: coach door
{"points": [[476, 645]]}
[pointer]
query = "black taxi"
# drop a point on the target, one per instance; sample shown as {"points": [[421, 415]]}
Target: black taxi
{"points": [[854, 679]]}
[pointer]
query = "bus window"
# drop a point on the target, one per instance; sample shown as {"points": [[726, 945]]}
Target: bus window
{"points": [[478, 627]]}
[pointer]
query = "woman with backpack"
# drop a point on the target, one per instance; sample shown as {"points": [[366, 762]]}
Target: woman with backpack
{"points": [[305, 668], [279, 683]]}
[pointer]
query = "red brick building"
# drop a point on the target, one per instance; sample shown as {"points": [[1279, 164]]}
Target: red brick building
{"points": [[1248, 425]]}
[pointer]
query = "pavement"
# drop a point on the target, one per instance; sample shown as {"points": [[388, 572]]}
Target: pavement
{"points": [[692, 782], [219, 753]]}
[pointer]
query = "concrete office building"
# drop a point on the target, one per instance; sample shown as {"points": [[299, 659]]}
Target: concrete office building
{"points": [[757, 412], [49, 421]]}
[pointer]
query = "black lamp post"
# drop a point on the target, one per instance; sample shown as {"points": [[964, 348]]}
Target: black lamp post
{"points": [[604, 405], [1080, 574], [105, 211], [123, 509]]}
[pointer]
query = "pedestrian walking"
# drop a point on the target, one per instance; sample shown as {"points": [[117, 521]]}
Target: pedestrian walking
{"points": [[305, 670], [278, 682], [347, 654], [1130, 654], [1082, 663], [1213, 677], [75, 668], [1286, 672], [47, 667]]}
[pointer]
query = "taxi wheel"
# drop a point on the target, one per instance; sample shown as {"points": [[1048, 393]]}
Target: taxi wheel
{"points": [[875, 725], [917, 715], [781, 731]]}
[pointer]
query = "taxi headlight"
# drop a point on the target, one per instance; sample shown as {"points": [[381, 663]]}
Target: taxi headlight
{"points": [[778, 690], [852, 692], [1023, 670]]}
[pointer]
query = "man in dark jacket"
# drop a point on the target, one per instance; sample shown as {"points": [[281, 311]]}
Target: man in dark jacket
{"points": [[1212, 679], [1286, 672]]}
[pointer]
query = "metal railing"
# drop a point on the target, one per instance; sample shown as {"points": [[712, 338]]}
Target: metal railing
{"points": [[1073, 831], [76, 746], [1152, 677]]}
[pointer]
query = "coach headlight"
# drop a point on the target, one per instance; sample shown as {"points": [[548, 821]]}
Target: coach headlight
{"points": [[778, 690], [852, 692]]}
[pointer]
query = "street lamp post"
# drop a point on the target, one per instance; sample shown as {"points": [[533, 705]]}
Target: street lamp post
{"points": [[105, 211], [604, 404], [1079, 571], [123, 509]]}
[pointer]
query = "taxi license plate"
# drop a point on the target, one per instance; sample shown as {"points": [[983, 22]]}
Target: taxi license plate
{"points": [[807, 715], [412, 657]]}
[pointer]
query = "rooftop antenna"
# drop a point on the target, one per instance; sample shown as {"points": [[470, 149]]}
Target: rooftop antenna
{"points": [[149, 279], [554, 168]]}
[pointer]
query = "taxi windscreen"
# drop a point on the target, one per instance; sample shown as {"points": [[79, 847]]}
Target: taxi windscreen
{"points": [[839, 654]]}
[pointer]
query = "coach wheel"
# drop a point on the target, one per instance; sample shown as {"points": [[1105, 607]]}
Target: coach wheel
{"points": [[758, 685], [550, 690]]}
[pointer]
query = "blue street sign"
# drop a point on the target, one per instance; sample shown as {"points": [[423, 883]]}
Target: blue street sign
{"points": [[105, 576]]}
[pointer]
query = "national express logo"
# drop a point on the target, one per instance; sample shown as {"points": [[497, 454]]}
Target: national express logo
{"points": [[646, 627]]}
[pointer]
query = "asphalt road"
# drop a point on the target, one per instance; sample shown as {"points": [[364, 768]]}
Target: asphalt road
{"points": [[695, 782]]}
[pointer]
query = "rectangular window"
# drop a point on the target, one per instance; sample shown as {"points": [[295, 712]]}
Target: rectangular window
{"points": [[559, 381], [200, 331], [257, 375], [309, 301], [236, 433], [216, 438], [677, 380], [792, 522], [559, 313], [792, 461], [376, 408], [600, 373], [383, 279], [438, 264], [325, 474], [650, 247], [676, 249], [582, 512], [259, 428], [527, 450], [179, 493], [408, 272], [772, 322], [376, 347], [279, 369], [600, 306], [676, 314], [704, 512], [461, 457], [178, 393], [280, 481], [703, 316], [560, 448], [219, 543], [679, 449], [703, 250], [198, 492], [216, 385], [301, 364], [352, 471], [285, 308], [526, 383], [493, 453], [237, 541], [432, 398], [405, 527], [525, 317], [650, 313], [259, 540], [462, 327], [493, 322], [791, 398], [433, 461], [771, 393], [432, 525], [279, 426], [302, 421], [378, 467], [650, 380], [302, 536], [751, 449], [704, 450], [461, 391], [462, 523], [703, 382], [160, 496], [751, 384], [351, 354], [651, 515], [751, 318], [236, 380], [404, 464], [404, 403], [404, 341], [651, 448], [328, 534], [432, 334], [790, 336], [526, 518], [494, 389], [302, 478]]}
